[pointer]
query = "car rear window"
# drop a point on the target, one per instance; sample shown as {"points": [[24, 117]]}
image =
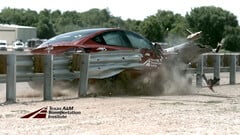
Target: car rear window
{"points": [[69, 37]]}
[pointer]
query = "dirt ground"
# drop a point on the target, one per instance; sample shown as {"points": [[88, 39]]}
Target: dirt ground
{"points": [[204, 112]]}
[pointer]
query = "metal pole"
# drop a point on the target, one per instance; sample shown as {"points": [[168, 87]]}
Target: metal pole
{"points": [[11, 79], [232, 72], [48, 77], [200, 71], [217, 66], [83, 82]]}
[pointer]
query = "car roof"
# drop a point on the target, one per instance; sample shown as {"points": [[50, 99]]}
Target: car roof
{"points": [[3, 41], [77, 34], [93, 30]]}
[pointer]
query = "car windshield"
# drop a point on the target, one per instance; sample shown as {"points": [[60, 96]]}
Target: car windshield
{"points": [[2, 43], [138, 41], [69, 37]]}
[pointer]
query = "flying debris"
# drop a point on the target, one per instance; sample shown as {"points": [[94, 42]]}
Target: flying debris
{"points": [[210, 82], [194, 36]]}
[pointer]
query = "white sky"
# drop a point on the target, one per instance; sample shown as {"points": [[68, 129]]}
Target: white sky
{"points": [[133, 9]]}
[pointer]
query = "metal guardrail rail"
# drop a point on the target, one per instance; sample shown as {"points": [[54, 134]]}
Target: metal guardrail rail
{"points": [[22, 68], [216, 63], [101, 65]]}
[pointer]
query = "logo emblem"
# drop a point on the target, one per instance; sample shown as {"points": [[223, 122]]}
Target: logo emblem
{"points": [[40, 113]]}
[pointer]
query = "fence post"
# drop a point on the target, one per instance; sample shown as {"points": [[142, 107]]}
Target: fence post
{"points": [[200, 65], [48, 77], [217, 66], [232, 72], [83, 82], [11, 79]]}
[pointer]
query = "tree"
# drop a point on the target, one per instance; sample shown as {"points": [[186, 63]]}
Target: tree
{"points": [[132, 25], [158, 27], [212, 22], [30, 18], [19, 17], [65, 22], [94, 17], [232, 39], [115, 22], [151, 29], [45, 28], [231, 43], [177, 34], [11, 16]]}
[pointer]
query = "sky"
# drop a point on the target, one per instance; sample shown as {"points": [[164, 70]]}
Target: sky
{"points": [[133, 9]]}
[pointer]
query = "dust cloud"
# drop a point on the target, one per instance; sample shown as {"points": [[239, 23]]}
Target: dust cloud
{"points": [[168, 79], [60, 88], [171, 80]]}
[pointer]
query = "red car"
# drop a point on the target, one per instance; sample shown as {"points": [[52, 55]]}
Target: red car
{"points": [[109, 39], [95, 40]]}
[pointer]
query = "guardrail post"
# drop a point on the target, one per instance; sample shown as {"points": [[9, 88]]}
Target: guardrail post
{"points": [[83, 82], [217, 66], [11, 79], [200, 66], [232, 72], [48, 77]]}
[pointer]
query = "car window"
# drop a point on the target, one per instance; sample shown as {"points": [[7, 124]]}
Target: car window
{"points": [[19, 44], [99, 39], [116, 38], [138, 41], [69, 37]]}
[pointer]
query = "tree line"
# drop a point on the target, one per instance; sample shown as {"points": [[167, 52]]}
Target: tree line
{"points": [[164, 26]]}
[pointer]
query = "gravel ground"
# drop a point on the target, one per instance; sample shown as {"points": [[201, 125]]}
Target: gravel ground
{"points": [[201, 113]]}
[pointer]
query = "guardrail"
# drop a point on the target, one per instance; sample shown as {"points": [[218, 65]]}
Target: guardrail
{"points": [[22, 67], [216, 63], [27, 67]]}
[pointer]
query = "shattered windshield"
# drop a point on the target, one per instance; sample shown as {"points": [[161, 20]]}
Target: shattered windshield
{"points": [[69, 37]]}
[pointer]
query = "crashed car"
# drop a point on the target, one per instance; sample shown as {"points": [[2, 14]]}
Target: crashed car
{"points": [[110, 39], [94, 40], [114, 39]]}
